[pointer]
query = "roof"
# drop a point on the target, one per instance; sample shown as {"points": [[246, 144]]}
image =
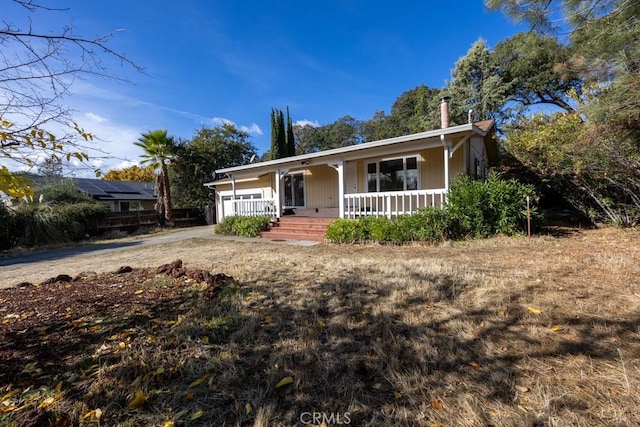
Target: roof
{"points": [[245, 178], [479, 128], [116, 190]]}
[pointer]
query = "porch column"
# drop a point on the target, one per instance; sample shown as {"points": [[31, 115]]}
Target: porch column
{"points": [[233, 189], [340, 169], [447, 149], [278, 197]]}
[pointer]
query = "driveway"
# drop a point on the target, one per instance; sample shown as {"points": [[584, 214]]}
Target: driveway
{"points": [[202, 232]]}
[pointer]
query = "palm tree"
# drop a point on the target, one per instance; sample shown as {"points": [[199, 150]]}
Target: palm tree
{"points": [[159, 150]]}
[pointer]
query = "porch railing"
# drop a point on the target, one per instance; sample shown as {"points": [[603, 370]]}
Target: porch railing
{"points": [[254, 207], [392, 203]]}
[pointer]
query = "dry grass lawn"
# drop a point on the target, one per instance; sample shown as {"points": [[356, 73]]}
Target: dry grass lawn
{"points": [[502, 332]]}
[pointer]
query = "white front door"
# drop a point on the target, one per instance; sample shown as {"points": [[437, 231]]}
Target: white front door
{"points": [[351, 177]]}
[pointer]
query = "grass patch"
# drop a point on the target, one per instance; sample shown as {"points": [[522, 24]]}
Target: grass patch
{"points": [[483, 333]]}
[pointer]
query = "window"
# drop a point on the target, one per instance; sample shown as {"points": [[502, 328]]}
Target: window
{"points": [[130, 206], [393, 175]]}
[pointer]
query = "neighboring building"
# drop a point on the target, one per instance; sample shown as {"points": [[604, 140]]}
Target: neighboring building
{"points": [[390, 177], [119, 196]]}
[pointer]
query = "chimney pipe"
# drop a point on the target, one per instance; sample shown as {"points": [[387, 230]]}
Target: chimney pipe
{"points": [[444, 112]]}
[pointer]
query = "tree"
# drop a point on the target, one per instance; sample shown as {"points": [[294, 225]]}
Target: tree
{"points": [[159, 151], [197, 159], [290, 136], [278, 138], [51, 168], [133, 173], [37, 69], [530, 65], [476, 85]]}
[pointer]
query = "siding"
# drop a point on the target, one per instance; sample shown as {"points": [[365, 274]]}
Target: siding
{"points": [[321, 186]]}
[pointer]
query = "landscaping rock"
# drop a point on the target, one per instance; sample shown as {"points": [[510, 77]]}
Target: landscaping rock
{"points": [[124, 269], [58, 278]]}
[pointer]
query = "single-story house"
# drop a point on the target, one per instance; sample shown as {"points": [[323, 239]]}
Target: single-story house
{"points": [[389, 177], [119, 196]]}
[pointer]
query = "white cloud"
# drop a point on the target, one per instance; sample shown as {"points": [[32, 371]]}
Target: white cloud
{"points": [[254, 129], [306, 122], [95, 118]]}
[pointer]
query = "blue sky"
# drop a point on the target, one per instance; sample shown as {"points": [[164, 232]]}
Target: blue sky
{"points": [[213, 61]]}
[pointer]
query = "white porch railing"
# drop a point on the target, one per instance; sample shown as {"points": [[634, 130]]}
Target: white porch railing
{"points": [[254, 207], [392, 203]]}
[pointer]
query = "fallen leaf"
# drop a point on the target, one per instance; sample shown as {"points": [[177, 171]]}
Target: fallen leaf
{"points": [[502, 313], [138, 292], [197, 382], [522, 408], [139, 400], [93, 416], [47, 402], [159, 371], [521, 389], [8, 395], [474, 364], [168, 424], [534, 310], [284, 381], [437, 404], [557, 328], [205, 340], [248, 409], [397, 395], [189, 396], [197, 415]]}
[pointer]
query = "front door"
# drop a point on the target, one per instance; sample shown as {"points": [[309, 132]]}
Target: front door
{"points": [[294, 190]]}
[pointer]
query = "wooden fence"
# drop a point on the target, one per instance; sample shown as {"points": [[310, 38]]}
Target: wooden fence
{"points": [[131, 221]]}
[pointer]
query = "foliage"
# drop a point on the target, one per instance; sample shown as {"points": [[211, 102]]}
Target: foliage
{"points": [[36, 77], [343, 132], [597, 167], [159, 151], [528, 65], [60, 192], [132, 173], [196, 161], [6, 229], [245, 226], [475, 208], [42, 224], [283, 142], [484, 207], [476, 85]]}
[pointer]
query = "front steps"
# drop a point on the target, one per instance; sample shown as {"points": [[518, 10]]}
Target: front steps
{"points": [[299, 228]]}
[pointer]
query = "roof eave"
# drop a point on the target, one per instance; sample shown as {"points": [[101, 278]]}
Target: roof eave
{"points": [[353, 148]]}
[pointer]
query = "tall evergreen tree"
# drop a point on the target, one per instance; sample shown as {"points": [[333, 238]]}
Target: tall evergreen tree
{"points": [[278, 136], [290, 137]]}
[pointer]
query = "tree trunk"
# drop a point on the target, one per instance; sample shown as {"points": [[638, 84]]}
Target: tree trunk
{"points": [[168, 208], [160, 204]]}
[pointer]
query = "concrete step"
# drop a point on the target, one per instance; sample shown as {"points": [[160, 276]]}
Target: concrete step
{"points": [[300, 228]]}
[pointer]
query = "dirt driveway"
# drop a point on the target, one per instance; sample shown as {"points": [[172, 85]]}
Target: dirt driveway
{"points": [[139, 251]]}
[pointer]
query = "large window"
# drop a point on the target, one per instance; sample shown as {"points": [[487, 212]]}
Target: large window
{"points": [[393, 175]]}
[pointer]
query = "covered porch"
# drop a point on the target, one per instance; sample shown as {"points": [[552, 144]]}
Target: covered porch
{"points": [[385, 178]]}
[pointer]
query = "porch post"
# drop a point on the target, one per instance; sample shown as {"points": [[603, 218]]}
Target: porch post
{"points": [[446, 146], [233, 189], [340, 169], [278, 196]]}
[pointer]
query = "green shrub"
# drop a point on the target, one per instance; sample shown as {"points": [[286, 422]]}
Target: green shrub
{"points": [[481, 208], [431, 225], [347, 231], [41, 224], [6, 227], [246, 226]]}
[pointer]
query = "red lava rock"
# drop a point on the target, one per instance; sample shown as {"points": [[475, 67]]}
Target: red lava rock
{"points": [[58, 278], [124, 269], [168, 268], [85, 275]]}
